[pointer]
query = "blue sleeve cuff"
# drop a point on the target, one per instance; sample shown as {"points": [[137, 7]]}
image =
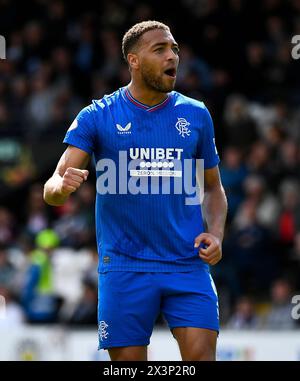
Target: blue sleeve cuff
{"points": [[211, 164], [78, 144]]}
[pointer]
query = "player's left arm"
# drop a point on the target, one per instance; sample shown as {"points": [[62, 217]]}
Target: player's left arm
{"points": [[215, 211]]}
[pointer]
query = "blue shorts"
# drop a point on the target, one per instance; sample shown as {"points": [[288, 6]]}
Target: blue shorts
{"points": [[130, 302]]}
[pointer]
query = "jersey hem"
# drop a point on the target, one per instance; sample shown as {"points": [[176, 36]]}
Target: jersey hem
{"points": [[164, 269]]}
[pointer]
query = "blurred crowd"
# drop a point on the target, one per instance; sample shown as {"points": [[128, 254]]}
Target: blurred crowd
{"points": [[235, 55]]}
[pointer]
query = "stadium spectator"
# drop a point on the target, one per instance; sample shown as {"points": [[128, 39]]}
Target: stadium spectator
{"points": [[239, 126], [244, 316], [7, 226], [250, 250], [40, 303], [233, 172], [265, 204], [74, 227], [280, 315], [7, 271], [12, 315], [85, 312], [37, 218]]}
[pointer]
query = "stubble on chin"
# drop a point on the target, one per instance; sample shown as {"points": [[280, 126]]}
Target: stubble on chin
{"points": [[156, 82]]}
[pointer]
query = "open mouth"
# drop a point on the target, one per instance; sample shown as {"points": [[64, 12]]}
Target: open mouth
{"points": [[171, 72]]}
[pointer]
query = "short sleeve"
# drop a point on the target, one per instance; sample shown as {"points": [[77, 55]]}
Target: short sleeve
{"points": [[81, 133], [207, 149]]}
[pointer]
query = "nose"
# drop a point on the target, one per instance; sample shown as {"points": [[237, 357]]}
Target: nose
{"points": [[171, 55]]}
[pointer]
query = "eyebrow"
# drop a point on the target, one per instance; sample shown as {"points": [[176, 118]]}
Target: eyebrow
{"points": [[163, 44]]}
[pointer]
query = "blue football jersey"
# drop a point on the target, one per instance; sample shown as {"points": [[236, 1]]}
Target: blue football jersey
{"points": [[143, 220]]}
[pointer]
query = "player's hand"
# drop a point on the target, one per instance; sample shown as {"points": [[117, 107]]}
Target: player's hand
{"points": [[212, 253], [72, 179]]}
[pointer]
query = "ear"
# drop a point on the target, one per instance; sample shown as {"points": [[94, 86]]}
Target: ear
{"points": [[133, 61]]}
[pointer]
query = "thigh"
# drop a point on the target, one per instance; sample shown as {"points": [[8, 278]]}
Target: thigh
{"points": [[190, 306], [196, 344], [127, 309]]}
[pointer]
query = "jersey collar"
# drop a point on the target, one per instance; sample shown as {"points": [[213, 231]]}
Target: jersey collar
{"points": [[128, 97]]}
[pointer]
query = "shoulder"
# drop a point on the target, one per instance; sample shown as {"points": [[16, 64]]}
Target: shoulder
{"points": [[99, 106], [107, 100], [193, 107], [183, 100]]}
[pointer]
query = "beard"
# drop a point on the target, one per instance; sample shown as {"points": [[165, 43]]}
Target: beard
{"points": [[156, 82]]}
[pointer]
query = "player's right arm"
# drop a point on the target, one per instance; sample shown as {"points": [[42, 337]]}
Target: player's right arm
{"points": [[69, 174]]}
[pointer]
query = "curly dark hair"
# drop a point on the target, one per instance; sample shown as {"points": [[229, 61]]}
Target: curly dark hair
{"points": [[132, 36]]}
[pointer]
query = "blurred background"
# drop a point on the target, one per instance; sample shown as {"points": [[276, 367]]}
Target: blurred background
{"points": [[235, 55]]}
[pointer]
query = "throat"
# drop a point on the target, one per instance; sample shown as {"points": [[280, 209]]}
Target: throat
{"points": [[145, 97]]}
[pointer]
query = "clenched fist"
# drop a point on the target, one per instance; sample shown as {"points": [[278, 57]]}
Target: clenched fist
{"points": [[72, 179], [212, 252]]}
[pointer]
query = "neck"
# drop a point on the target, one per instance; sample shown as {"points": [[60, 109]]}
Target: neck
{"points": [[145, 95]]}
